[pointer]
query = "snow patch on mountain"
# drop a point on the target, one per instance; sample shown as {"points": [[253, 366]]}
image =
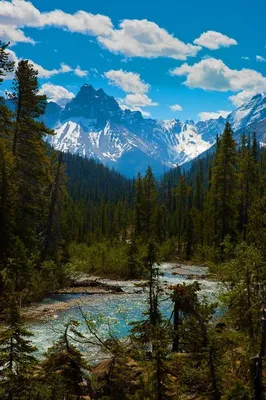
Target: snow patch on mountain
{"points": [[191, 143], [167, 124], [92, 124], [250, 112]]}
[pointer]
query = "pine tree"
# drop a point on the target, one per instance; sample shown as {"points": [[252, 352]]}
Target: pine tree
{"points": [[182, 193], [151, 267], [5, 64], [138, 207], [257, 224], [64, 367], [189, 240], [198, 208], [31, 154], [222, 194], [16, 353], [254, 147], [184, 298], [8, 200], [248, 182], [149, 203], [7, 175], [52, 233], [133, 259]]}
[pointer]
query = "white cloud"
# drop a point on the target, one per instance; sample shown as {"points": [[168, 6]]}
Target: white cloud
{"points": [[43, 72], [260, 59], [46, 73], [205, 115], [133, 38], [213, 74], [124, 106], [245, 58], [58, 94], [13, 35], [128, 81], [81, 21], [131, 83], [135, 88], [138, 100], [143, 38], [176, 107], [65, 67], [20, 13], [242, 97], [79, 72], [214, 40]]}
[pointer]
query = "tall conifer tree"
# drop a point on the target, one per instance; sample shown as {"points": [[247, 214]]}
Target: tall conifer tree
{"points": [[31, 154], [222, 198]]}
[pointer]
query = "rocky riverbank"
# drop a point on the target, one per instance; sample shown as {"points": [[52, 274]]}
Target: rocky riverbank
{"points": [[84, 287], [190, 271]]}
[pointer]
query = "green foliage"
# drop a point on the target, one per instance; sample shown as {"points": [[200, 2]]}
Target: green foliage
{"points": [[168, 249], [8, 199], [32, 192], [245, 271], [30, 153], [64, 368], [63, 215], [221, 205], [5, 64], [16, 359], [101, 258]]}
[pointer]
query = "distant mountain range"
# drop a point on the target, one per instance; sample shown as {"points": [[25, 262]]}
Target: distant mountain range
{"points": [[92, 124]]}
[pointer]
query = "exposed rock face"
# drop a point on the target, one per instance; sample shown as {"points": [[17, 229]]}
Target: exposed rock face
{"points": [[92, 124]]}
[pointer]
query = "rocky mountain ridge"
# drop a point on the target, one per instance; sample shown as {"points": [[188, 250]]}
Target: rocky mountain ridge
{"points": [[92, 124]]}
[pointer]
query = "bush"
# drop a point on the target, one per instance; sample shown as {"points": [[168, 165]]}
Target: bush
{"points": [[109, 259], [168, 250]]}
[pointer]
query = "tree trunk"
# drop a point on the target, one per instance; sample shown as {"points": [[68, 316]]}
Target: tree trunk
{"points": [[49, 226], [176, 328]]}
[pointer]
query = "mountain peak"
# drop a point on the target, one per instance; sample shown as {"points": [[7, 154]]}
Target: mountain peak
{"points": [[94, 125], [86, 86], [101, 92], [86, 91], [258, 96], [91, 104], [252, 111]]}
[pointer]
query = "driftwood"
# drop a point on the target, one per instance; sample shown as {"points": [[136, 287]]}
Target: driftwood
{"points": [[95, 283]]}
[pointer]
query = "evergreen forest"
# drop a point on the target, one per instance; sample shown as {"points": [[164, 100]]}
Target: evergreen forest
{"points": [[63, 215]]}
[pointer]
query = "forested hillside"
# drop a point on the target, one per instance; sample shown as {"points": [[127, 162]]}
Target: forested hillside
{"points": [[62, 215], [90, 180], [48, 199]]}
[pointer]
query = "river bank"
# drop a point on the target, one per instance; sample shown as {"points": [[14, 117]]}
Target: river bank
{"points": [[85, 286], [116, 308]]}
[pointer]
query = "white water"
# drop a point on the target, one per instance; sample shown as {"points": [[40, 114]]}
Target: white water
{"points": [[118, 310]]}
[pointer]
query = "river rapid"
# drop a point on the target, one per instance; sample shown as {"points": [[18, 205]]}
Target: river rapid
{"points": [[117, 311]]}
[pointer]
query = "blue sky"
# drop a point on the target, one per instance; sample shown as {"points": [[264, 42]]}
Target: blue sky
{"points": [[170, 59]]}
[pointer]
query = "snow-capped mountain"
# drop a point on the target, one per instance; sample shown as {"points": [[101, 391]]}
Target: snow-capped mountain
{"points": [[249, 113], [92, 124]]}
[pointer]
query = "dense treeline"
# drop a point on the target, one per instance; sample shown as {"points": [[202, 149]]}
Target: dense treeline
{"points": [[90, 180], [103, 198], [47, 199], [195, 214], [61, 214], [217, 200]]}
